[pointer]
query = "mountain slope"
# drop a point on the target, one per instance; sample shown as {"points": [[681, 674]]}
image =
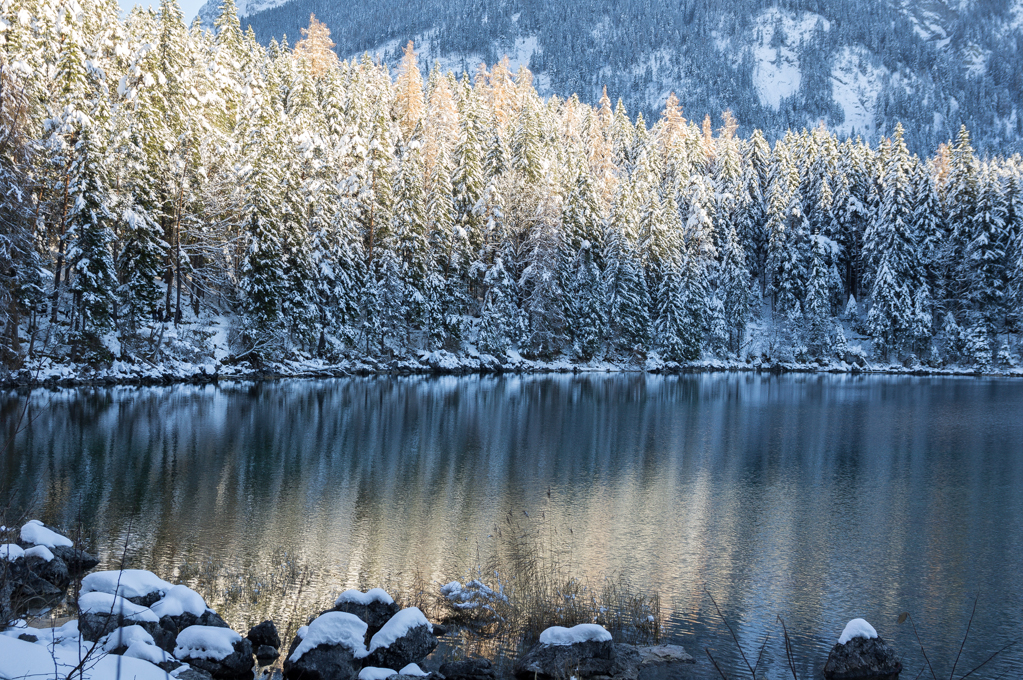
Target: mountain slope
{"points": [[858, 66]]}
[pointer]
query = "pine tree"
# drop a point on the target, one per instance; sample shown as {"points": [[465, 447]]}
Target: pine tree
{"points": [[93, 277], [586, 311], [734, 290], [985, 253], [626, 296], [499, 316]]}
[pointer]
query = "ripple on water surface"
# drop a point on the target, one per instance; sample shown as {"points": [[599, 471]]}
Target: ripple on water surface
{"points": [[816, 498]]}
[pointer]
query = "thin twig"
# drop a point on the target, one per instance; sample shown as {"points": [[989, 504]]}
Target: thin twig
{"points": [[966, 635], [989, 659], [716, 667], [723, 620], [788, 648], [761, 654], [922, 650]]}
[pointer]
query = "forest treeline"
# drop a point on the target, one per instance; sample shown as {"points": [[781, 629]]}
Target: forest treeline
{"points": [[156, 175]]}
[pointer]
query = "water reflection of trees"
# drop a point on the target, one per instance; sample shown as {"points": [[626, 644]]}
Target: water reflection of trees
{"points": [[809, 496]]}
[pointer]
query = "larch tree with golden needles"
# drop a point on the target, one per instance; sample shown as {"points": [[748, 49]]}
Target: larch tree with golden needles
{"points": [[409, 101], [316, 47]]}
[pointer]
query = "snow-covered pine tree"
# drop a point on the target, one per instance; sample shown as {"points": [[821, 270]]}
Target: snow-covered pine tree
{"points": [[626, 296], [787, 238], [499, 316], [409, 230], [961, 194], [586, 320], [734, 290], [543, 297], [90, 235], [985, 254]]}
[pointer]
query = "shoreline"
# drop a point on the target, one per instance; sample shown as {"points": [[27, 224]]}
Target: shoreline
{"points": [[60, 376]]}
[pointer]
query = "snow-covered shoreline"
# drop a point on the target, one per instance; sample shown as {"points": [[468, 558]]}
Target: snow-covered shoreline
{"points": [[49, 375]]}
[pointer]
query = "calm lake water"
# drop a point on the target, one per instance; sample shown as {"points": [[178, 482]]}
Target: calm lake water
{"points": [[816, 498]]}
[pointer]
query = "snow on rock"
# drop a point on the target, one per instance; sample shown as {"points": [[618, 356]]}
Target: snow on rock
{"points": [[368, 597], [126, 583], [206, 642], [333, 628], [40, 551], [413, 669], [857, 628], [178, 600], [20, 659], [374, 673], [35, 533], [399, 625], [584, 632], [125, 637], [147, 652], [11, 552], [105, 603]]}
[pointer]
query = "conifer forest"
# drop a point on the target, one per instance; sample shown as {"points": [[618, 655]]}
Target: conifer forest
{"points": [[164, 185]]}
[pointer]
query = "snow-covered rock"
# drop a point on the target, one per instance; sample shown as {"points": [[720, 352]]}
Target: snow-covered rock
{"points": [[20, 659], [221, 652], [333, 628], [584, 632], [365, 598], [329, 647], [11, 552], [406, 638], [861, 653], [413, 670], [375, 607], [114, 605], [125, 637], [374, 673], [179, 600], [857, 628], [36, 533], [128, 583], [584, 651]]}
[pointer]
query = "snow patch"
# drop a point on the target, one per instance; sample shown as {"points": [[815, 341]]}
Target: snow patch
{"points": [[20, 659], [206, 642], [368, 597], [11, 552], [398, 626], [35, 533], [776, 73], [105, 603], [178, 600], [126, 636], [334, 628], [856, 81], [584, 632], [374, 673], [40, 551], [413, 669], [126, 583], [857, 628], [147, 652]]}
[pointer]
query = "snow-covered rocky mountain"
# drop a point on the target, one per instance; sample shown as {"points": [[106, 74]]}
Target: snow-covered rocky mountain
{"points": [[858, 66]]}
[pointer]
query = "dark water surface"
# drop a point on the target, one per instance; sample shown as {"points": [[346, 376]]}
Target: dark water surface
{"points": [[817, 498]]}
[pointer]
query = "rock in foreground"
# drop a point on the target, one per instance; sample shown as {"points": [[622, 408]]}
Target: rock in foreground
{"points": [[862, 659], [583, 652]]}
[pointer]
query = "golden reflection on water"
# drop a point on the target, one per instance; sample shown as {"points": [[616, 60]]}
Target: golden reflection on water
{"points": [[819, 498]]}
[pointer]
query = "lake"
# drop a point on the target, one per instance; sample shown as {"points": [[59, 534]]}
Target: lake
{"points": [[817, 498]]}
